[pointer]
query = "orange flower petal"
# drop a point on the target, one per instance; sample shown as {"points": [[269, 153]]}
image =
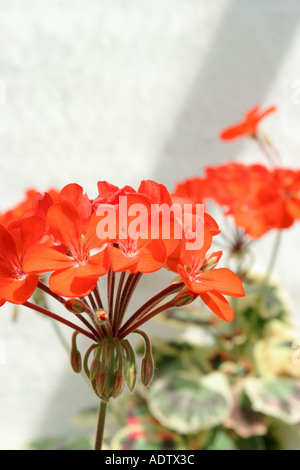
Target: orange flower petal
{"points": [[17, 291], [42, 259], [67, 283], [65, 225], [218, 304]]}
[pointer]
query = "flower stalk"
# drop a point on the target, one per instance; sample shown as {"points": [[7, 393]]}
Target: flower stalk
{"points": [[100, 425]]}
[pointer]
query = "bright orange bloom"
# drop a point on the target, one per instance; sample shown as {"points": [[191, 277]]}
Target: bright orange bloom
{"points": [[246, 192], [160, 197], [61, 233], [28, 207], [78, 240], [195, 190], [144, 256], [74, 194], [285, 204], [109, 193], [209, 285], [259, 199], [16, 285], [77, 270], [11, 215], [186, 195], [134, 249], [249, 125]]}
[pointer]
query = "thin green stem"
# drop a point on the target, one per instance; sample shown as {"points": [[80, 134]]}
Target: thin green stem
{"points": [[272, 260], [100, 426], [86, 359], [263, 145], [235, 351]]}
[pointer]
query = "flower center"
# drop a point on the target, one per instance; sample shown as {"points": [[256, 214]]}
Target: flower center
{"points": [[18, 274], [80, 260], [128, 246]]}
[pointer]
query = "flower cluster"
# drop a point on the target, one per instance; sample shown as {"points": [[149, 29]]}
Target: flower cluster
{"points": [[90, 254], [59, 234], [121, 234], [258, 198], [249, 125]]}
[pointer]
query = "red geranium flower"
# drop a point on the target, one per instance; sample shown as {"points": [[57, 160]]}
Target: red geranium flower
{"points": [[77, 270], [136, 251], [209, 285], [16, 285], [258, 198], [249, 125]]}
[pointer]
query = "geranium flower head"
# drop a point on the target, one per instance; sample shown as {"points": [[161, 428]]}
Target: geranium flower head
{"points": [[76, 270], [16, 284], [248, 126]]}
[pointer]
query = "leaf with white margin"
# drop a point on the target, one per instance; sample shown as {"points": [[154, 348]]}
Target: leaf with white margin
{"points": [[279, 398], [188, 404]]}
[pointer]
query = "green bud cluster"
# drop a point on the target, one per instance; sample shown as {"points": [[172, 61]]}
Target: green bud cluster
{"points": [[114, 365]]}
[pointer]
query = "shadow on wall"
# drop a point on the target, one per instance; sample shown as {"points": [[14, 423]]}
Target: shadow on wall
{"points": [[245, 55]]}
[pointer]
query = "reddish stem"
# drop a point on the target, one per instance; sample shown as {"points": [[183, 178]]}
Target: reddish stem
{"points": [[98, 297], [144, 309], [127, 294], [110, 294], [47, 289], [93, 303], [46, 312], [145, 318], [60, 299]]}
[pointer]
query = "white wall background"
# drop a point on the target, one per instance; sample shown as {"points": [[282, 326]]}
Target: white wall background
{"points": [[127, 90]]}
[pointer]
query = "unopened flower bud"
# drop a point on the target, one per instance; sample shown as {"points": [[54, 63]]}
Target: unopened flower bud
{"points": [[107, 392], [93, 383], [108, 356], [118, 384], [184, 297], [118, 377], [101, 315], [131, 375], [95, 369], [147, 370], [75, 355], [212, 261], [130, 368], [95, 366], [100, 383], [176, 280], [76, 362], [75, 306], [104, 378]]}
